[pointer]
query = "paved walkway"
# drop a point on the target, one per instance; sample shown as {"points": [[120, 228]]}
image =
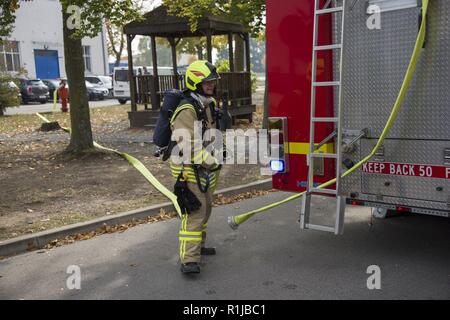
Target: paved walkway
{"points": [[267, 258]]}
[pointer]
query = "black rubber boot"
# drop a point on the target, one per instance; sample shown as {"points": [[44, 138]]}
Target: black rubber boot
{"points": [[190, 267], [208, 251]]}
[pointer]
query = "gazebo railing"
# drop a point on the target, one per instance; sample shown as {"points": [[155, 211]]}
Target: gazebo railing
{"points": [[236, 84], [170, 82], [146, 91]]}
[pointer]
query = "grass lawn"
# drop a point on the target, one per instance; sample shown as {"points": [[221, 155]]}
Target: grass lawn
{"points": [[43, 189]]}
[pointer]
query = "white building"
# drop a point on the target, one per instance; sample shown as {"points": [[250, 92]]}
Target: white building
{"points": [[37, 44]]}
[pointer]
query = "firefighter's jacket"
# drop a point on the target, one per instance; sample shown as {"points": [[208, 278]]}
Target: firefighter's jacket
{"points": [[184, 118]]}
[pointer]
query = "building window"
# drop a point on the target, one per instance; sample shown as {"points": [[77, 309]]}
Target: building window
{"points": [[10, 56], [87, 58]]}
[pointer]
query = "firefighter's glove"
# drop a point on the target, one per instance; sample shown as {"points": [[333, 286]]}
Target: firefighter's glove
{"points": [[187, 200]]}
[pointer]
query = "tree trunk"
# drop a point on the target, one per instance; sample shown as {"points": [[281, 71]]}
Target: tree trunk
{"points": [[1, 112], [81, 132], [239, 53], [121, 47], [118, 57]]}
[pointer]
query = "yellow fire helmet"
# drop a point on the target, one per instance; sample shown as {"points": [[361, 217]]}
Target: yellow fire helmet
{"points": [[200, 71]]}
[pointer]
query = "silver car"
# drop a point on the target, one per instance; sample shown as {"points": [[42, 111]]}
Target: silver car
{"points": [[102, 81]]}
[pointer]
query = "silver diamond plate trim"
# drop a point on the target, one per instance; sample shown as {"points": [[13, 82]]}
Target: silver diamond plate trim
{"points": [[406, 190], [375, 64]]}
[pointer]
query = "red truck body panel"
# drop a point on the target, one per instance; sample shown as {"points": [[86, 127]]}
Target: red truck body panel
{"points": [[289, 35]]}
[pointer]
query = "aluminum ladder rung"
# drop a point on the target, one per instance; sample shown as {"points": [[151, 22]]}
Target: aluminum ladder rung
{"points": [[319, 228], [317, 119], [327, 84], [324, 155], [328, 47], [323, 190], [312, 188], [329, 10]]}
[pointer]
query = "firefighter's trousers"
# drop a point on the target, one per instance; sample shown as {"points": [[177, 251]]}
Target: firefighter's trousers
{"points": [[193, 226]]}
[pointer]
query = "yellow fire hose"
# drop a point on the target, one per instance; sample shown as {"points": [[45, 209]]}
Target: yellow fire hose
{"points": [[235, 221], [139, 166]]}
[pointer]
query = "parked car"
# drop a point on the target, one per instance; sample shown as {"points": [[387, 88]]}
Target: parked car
{"points": [[33, 90], [122, 84], [102, 81], [96, 92], [52, 84]]}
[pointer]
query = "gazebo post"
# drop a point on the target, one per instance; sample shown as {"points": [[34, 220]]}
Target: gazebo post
{"points": [[247, 51], [173, 45], [156, 104], [231, 52], [160, 23], [209, 45], [249, 75], [130, 38]]}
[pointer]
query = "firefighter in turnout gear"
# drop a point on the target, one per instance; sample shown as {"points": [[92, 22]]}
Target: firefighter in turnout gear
{"points": [[197, 176]]}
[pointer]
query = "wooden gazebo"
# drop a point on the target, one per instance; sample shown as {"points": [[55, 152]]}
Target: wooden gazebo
{"points": [[148, 88]]}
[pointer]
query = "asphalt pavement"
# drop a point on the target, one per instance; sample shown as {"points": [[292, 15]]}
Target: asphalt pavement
{"points": [[268, 257]]}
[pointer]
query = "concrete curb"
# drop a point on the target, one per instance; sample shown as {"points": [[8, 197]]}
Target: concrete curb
{"points": [[39, 240]]}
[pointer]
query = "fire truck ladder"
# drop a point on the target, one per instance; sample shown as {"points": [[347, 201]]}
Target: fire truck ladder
{"points": [[313, 150]]}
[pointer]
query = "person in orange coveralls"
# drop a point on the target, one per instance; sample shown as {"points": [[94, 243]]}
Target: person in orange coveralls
{"points": [[63, 93]]}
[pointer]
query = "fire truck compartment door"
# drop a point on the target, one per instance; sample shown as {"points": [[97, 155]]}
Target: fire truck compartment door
{"points": [[418, 170]]}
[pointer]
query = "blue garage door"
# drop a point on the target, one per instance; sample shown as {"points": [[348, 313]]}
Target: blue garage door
{"points": [[47, 64]]}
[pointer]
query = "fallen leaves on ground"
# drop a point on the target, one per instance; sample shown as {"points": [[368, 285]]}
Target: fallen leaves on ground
{"points": [[106, 229], [161, 216], [222, 200]]}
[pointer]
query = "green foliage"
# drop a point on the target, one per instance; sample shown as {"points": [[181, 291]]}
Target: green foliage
{"points": [[8, 94], [223, 65], [7, 16], [93, 13], [193, 45], [116, 37], [249, 13], [254, 82]]}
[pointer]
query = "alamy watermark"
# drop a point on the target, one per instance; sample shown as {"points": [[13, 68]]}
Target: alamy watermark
{"points": [[239, 147], [374, 20], [374, 280], [73, 282], [74, 19]]}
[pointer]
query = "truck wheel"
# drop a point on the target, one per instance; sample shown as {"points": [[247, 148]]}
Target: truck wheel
{"points": [[382, 213], [122, 101]]}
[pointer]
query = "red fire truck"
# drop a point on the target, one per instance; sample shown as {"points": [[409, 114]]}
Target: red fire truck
{"points": [[335, 70]]}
